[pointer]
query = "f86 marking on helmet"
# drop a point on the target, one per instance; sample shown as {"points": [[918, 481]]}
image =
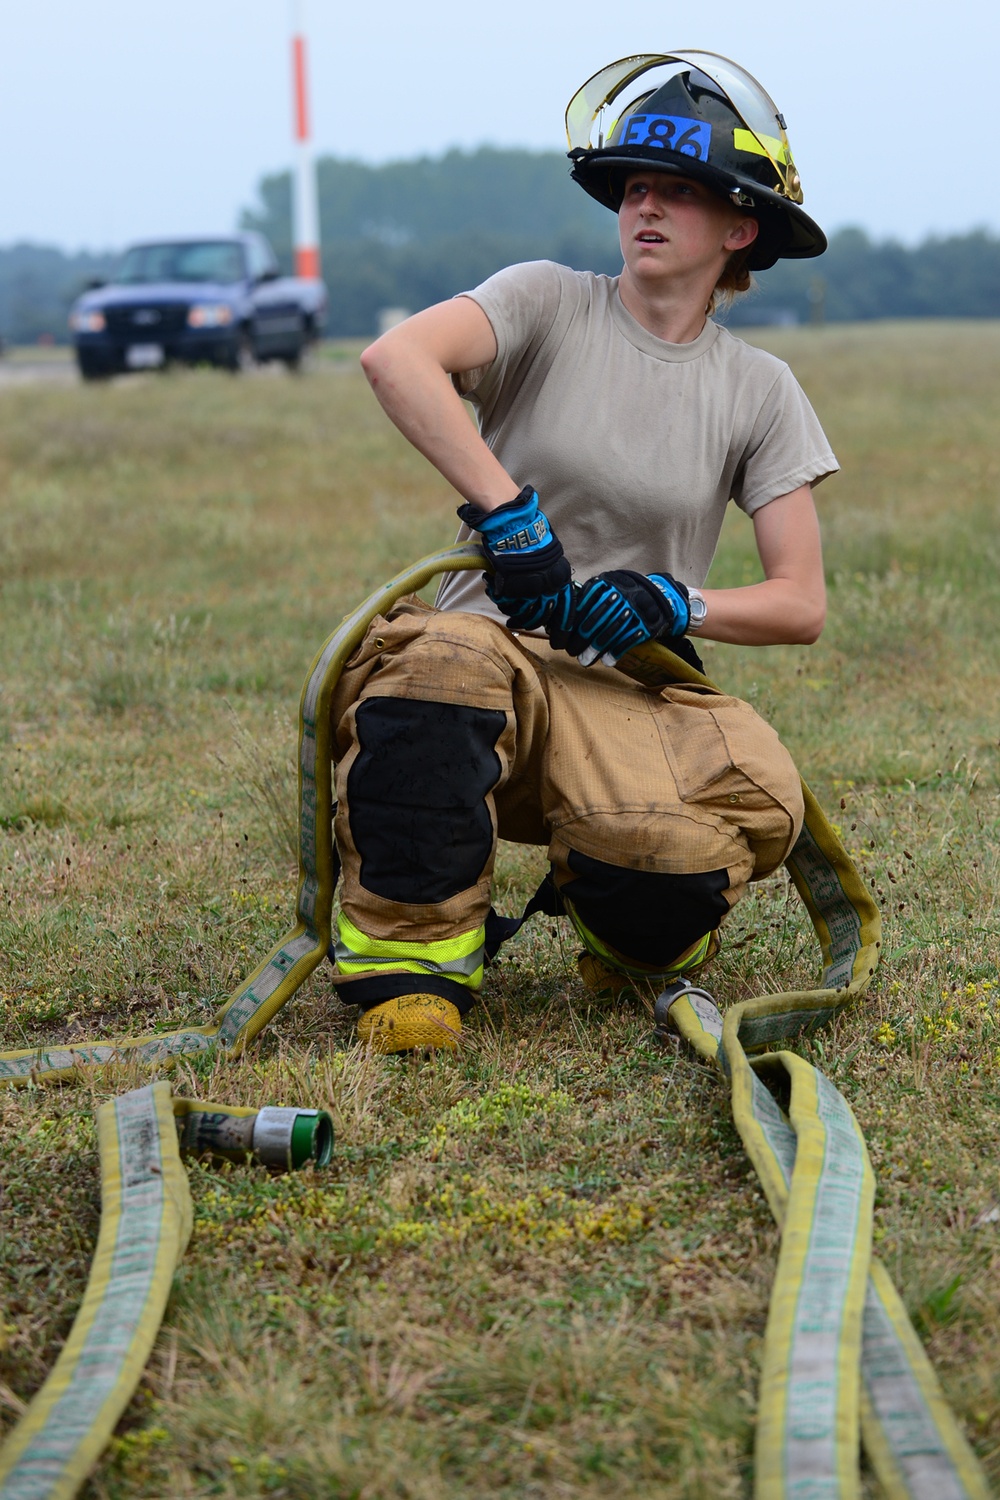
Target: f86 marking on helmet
{"points": [[689, 137]]}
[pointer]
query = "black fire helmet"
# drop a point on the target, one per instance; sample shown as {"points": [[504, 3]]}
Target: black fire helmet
{"points": [[709, 120]]}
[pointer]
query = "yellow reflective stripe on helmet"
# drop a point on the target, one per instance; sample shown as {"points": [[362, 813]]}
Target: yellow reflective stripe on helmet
{"points": [[460, 958], [762, 145]]}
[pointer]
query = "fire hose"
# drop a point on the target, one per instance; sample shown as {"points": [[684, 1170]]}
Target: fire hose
{"points": [[145, 1226], [840, 1355]]}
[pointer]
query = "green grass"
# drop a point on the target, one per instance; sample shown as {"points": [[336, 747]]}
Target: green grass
{"points": [[540, 1268]]}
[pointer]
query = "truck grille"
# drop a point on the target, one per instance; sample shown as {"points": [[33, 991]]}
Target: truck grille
{"points": [[147, 323]]}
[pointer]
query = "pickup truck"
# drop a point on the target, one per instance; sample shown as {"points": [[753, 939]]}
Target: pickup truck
{"points": [[218, 301]]}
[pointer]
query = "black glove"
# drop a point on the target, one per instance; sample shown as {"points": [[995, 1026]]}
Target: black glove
{"points": [[531, 577], [617, 610]]}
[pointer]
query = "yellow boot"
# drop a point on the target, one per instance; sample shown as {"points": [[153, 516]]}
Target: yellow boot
{"points": [[411, 1022]]}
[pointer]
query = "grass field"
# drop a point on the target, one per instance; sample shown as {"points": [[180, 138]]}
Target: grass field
{"points": [[540, 1268]]}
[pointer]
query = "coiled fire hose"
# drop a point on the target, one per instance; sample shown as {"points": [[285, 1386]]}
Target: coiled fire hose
{"points": [[839, 1350]]}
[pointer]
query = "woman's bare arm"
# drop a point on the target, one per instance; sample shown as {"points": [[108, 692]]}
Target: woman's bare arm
{"points": [[789, 607], [410, 368]]}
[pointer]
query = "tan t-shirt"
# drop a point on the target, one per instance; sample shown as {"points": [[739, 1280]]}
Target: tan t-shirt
{"points": [[634, 445]]}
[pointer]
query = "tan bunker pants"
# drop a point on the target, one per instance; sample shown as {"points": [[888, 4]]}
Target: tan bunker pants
{"points": [[657, 805]]}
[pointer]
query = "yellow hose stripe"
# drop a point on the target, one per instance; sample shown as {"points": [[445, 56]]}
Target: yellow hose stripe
{"points": [[700, 1028], [145, 1224], [182, 1107], [842, 909], [911, 1436], [808, 1417], [902, 1396], [914, 1442], [831, 1306], [909, 1432]]}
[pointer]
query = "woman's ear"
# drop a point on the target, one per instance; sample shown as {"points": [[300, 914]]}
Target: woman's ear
{"points": [[742, 235]]}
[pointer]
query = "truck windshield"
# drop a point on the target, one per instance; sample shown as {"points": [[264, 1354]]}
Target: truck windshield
{"points": [[204, 260]]}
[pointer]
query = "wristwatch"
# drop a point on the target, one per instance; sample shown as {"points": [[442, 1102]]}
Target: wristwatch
{"points": [[698, 610]]}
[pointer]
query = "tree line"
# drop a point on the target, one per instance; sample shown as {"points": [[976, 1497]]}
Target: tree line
{"points": [[410, 233], [38, 285]]}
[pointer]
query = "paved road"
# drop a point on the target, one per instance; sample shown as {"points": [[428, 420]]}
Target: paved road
{"points": [[20, 371]]}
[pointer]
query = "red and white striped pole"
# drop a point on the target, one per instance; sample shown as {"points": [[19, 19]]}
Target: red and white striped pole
{"points": [[305, 202]]}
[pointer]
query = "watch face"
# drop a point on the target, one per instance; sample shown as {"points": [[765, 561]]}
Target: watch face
{"points": [[698, 609]]}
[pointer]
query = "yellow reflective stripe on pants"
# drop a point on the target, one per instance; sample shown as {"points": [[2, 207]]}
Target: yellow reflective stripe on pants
{"points": [[689, 959], [458, 958]]}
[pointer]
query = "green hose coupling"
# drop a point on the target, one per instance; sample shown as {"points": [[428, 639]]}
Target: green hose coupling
{"points": [[285, 1139], [281, 1138]]}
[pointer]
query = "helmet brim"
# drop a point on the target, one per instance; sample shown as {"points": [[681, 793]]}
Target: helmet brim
{"points": [[786, 230]]}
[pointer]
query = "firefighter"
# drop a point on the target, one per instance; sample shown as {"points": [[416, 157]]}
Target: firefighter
{"points": [[616, 421]]}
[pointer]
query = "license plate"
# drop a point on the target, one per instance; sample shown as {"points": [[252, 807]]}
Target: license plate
{"points": [[144, 356]]}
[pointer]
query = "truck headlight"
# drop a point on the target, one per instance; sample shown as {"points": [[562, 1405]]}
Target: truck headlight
{"points": [[210, 315], [86, 321]]}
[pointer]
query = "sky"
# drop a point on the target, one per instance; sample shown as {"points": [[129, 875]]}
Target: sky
{"points": [[121, 120]]}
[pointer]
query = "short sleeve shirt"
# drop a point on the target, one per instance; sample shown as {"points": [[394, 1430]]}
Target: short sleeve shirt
{"points": [[635, 445]]}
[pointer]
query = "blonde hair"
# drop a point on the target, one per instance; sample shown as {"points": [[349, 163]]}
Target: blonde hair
{"points": [[736, 279]]}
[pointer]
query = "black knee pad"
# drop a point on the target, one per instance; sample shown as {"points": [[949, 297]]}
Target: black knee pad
{"points": [[646, 916], [416, 796]]}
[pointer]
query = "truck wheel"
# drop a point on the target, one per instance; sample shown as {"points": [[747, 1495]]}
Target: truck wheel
{"points": [[91, 368], [243, 356], [295, 360]]}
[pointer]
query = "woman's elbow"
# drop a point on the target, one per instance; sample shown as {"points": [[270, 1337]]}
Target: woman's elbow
{"points": [[396, 358], [373, 360], [811, 623]]}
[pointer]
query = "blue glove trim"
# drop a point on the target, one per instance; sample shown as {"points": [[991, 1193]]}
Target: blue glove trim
{"points": [[605, 621], [620, 609], [517, 526], [526, 556], [677, 600], [532, 612]]}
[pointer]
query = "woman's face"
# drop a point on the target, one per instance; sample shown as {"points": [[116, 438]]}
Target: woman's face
{"points": [[676, 226]]}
